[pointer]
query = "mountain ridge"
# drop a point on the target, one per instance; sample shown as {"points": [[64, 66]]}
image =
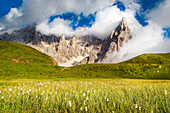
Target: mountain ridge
{"points": [[74, 50]]}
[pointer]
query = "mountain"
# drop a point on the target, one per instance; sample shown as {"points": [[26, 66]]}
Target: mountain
{"points": [[73, 50], [21, 61]]}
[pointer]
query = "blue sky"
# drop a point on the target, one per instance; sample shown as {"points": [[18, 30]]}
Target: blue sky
{"points": [[80, 20]]}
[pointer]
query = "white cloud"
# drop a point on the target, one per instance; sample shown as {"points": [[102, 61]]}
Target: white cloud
{"points": [[57, 27], [147, 39], [108, 19], [36, 11], [1, 27], [161, 15], [13, 14], [131, 4]]}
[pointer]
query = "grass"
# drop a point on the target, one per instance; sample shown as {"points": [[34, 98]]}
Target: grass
{"points": [[31, 82], [20, 61], [90, 95]]}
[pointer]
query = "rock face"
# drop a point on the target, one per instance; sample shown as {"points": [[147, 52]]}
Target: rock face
{"points": [[112, 43], [74, 50]]}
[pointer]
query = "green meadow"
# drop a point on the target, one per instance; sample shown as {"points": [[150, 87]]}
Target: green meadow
{"points": [[31, 81], [85, 95]]}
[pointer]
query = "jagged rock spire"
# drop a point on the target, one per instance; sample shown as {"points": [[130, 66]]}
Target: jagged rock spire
{"points": [[123, 24], [62, 37]]}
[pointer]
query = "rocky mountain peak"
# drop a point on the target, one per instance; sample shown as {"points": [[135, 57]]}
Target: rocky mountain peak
{"points": [[74, 50], [62, 37], [123, 25], [123, 21]]}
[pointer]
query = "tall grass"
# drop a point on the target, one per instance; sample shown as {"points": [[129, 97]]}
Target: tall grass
{"points": [[110, 96]]}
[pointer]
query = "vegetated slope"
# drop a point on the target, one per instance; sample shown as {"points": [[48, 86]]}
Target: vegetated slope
{"points": [[146, 66], [20, 61]]}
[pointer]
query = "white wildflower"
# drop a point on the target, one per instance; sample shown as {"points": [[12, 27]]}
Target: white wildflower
{"points": [[0, 91], [139, 108], [107, 99], [136, 106], [88, 91], [81, 108], [157, 71], [46, 99], [27, 92], [70, 103], [87, 98], [84, 94], [112, 111], [2, 97], [85, 108], [160, 66], [84, 102], [40, 83], [165, 92]]}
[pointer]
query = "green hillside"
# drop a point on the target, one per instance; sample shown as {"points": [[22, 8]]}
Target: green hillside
{"points": [[20, 61]]}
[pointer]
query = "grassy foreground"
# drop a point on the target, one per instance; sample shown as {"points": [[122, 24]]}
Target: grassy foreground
{"points": [[92, 96], [20, 61]]}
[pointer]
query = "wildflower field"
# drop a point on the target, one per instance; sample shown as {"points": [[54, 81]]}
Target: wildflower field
{"points": [[85, 95]]}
